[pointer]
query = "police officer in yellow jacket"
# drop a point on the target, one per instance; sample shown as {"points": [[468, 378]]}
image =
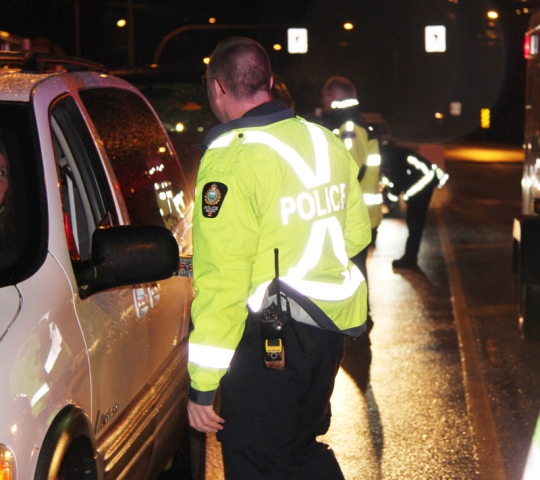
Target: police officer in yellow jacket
{"points": [[342, 115], [271, 181]]}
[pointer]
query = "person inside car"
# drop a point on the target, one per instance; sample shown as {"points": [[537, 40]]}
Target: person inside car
{"points": [[7, 253]]}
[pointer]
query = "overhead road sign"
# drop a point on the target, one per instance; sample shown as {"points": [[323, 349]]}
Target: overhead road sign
{"points": [[297, 40], [435, 38]]}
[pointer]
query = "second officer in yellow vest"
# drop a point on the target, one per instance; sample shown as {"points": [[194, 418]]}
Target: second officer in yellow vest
{"points": [[342, 115], [270, 180]]}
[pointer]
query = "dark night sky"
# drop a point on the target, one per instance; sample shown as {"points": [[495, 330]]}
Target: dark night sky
{"points": [[383, 55]]}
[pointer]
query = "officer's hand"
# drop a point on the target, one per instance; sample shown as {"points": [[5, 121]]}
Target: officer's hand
{"points": [[204, 418]]}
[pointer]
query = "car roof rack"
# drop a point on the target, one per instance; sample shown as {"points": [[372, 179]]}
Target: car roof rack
{"points": [[34, 62]]}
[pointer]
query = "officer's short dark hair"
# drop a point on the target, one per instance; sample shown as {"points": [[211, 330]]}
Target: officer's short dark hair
{"points": [[341, 87], [242, 65]]}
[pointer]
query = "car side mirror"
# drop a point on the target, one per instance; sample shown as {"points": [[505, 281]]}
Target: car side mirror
{"points": [[127, 255]]}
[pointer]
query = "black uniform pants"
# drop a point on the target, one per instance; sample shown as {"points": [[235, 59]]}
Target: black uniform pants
{"points": [[272, 417], [417, 208]]}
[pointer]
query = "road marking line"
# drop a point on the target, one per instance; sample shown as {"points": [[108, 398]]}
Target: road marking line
{"points": [[487, 443]]}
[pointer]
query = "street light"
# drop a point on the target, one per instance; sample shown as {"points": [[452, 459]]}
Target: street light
{"points": [[492, 14], [121, 23], [348, 26]]}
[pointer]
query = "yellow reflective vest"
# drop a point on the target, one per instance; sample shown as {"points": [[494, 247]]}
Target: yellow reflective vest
{"points": [[266, 182], [365, 151]]}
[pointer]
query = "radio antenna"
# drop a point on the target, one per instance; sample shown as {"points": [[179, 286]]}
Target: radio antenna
{"points": [[276, 265]]}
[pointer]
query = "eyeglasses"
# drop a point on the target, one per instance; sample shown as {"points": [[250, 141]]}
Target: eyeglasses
{"points": [[205, 79]]}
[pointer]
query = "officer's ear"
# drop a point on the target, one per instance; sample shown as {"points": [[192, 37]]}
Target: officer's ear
{"points": [[218, 89], [271, 82]]}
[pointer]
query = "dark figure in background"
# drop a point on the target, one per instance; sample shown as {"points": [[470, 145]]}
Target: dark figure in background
{"points": [[405, 172]]}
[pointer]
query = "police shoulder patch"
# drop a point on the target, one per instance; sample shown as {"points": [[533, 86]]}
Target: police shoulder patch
{"points": [[213, 197]]}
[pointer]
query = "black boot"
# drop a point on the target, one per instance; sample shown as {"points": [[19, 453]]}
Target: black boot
{"points": [[406, 263]]}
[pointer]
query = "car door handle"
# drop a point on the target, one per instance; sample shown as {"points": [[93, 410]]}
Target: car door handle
{"points": [[141, 301], [154, 292]]}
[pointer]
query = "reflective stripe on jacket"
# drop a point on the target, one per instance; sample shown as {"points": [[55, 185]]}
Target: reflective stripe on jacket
{"points": [[285, 184], [407, 172]]}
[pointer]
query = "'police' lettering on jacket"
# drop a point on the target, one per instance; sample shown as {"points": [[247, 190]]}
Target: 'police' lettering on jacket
{"points": [[318, 202]]}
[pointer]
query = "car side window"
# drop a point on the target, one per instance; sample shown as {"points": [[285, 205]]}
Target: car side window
{"points": [[23, 212], [150, 176], [86, 197]]}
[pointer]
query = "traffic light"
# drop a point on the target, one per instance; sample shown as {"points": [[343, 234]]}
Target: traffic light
{"points": [[484, 117]]}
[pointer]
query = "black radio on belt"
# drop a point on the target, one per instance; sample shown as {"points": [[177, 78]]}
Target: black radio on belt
{"points": [[273, 323]]}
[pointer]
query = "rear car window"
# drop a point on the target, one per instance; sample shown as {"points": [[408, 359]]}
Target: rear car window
{"points": [[182, 106], [23, 213], [150, 176], [181, 103]]}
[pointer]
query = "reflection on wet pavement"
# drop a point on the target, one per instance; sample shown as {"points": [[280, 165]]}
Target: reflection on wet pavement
{"points": [[214, 463], [408, 419]]}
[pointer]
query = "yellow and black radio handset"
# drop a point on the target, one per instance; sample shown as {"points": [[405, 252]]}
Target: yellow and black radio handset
{"points": [[273, 323]]}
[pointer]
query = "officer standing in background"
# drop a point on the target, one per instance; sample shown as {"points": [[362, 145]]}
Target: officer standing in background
{"points": [[406, 172], [341, 114], [271, 181]]}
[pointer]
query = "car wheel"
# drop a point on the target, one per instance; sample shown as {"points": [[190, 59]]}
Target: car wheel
{"points": [[529, 310], [67, 453]]}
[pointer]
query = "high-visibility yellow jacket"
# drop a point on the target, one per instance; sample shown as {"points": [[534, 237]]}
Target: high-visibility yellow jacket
{"points": [[346, 121], [266, 182], [364, 148]]}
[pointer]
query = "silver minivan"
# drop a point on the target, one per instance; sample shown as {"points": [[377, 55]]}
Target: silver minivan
{"points": [[95, 287]]}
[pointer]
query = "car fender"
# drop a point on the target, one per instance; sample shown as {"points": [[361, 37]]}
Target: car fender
{"points": [[44, 365]]}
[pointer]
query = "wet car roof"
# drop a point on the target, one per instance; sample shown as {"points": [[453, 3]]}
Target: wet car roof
{"points": [[17, 86], [20, 72]]}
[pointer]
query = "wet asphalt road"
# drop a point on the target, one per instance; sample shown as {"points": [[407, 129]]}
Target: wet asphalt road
{"points": [[448, 389]]}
